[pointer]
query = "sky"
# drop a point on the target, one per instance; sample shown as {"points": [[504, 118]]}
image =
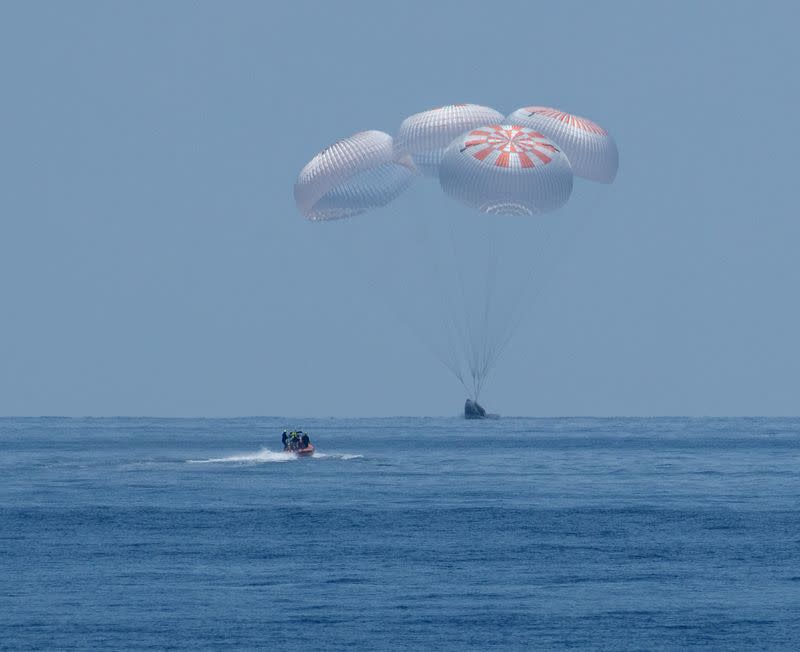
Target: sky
{"points": [[152, 261]]}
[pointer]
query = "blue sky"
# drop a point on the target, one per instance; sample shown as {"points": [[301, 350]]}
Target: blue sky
{"points": [[152, 261]]}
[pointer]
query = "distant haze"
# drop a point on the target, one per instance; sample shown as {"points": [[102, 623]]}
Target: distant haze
{"points": [[152, 261]]}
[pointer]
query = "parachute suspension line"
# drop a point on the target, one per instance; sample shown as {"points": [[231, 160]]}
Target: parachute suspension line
{"points": [[459, 329], [481, 336], [498, 334], [518, 305], [451, 333], [475, 340], [449, 359], [444, 307], [463, 327], [491, 283], [450, 326], [373, 282], [534, 290], [479, 321]]}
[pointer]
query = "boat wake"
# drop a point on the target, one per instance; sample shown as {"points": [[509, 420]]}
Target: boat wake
{"points": [[262, 456], [265, 456]]}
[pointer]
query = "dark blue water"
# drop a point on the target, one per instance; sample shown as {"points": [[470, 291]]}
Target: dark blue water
{"points": [[402, 534]]}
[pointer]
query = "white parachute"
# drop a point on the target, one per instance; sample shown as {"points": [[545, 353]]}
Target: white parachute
{"points": [[590, 149], [354, 175], [426, 136]]}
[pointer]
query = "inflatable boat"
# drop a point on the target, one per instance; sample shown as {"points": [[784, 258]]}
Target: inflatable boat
{"points": [[308, 451]]}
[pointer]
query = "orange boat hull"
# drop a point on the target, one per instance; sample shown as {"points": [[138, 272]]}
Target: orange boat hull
{"points": [[305, 452]]}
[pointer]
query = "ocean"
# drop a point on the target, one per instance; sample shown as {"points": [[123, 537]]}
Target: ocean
{"points": [[401, 533]]}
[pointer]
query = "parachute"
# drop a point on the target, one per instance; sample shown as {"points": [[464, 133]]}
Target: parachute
{"points": [[460, 279], [426, 136], [352, 176], [505, 169], [590, 149]]}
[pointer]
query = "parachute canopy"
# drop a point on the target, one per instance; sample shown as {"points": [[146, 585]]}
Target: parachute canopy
{"points": [[425, 136], [352, 176], [590, 149], [506, 169]]}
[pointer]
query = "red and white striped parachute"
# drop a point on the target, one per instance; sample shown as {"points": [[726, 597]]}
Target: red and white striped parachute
{"points": [[590, 149], [425, 136], [506, 169], [352, 176]]}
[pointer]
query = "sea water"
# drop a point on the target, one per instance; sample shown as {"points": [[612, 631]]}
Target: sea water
{"points": [[400, 534]]}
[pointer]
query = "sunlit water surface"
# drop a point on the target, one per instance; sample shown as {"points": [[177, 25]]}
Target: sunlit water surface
{"points": [[400, 534]]}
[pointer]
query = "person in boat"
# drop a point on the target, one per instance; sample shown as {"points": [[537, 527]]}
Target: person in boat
{"points": [[285, 439], [304, 440], [294, 442]]}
